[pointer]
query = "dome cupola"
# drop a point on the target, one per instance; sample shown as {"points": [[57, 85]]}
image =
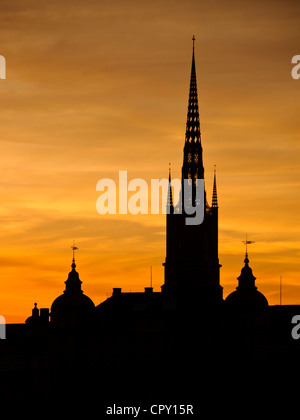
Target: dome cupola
{"points": [[73, 307]]}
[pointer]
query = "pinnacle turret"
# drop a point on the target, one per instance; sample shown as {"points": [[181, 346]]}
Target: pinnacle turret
{"points": [[170, 204], [215, 195]]}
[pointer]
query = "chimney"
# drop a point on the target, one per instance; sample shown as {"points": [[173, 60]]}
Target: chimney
{"points": [[117, 291]]}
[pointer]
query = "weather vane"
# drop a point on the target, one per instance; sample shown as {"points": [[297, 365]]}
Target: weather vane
{"points": [[74, 248], [246, 242]]}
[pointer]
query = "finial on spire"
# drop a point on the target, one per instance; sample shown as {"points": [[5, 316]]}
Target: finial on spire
{"points": [[35, 311], [246, 242], [194, 39], [74, 248]]}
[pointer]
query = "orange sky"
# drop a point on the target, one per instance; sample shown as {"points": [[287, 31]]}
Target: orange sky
{"points": [[94, 87]]}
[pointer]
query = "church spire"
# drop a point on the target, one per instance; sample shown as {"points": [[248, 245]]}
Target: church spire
{"points": [[215, 195], [192, 134], [192, 167], [192, 264]]}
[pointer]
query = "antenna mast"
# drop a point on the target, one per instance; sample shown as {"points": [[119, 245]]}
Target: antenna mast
{"points": [[280, 290]]}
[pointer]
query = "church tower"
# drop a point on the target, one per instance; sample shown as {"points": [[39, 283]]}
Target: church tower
{"points": [[192, 264]]}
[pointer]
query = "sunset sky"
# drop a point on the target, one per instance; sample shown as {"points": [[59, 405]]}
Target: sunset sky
{"points": [[95, 87]]}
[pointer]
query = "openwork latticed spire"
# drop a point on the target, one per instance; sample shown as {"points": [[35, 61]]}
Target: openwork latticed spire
{"points": [[192, 134], [192, 155]]}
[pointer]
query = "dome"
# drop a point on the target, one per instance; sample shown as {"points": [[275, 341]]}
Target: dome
{"points": [[73, 307], [246, 295], [247, 299], [34, 318], [67, 302]]}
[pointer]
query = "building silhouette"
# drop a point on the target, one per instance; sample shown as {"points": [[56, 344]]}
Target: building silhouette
{"points": [[180, 344], [73, 307], [246, 296], [192, 263]]}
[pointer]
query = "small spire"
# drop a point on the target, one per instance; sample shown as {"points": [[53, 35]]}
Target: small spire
{"points": [[170, 205], [35, 311], [215, 195]]}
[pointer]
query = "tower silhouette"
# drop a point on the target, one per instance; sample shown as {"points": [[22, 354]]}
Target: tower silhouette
{"points": [[73, 308], [246, 296], [192, 263]]}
